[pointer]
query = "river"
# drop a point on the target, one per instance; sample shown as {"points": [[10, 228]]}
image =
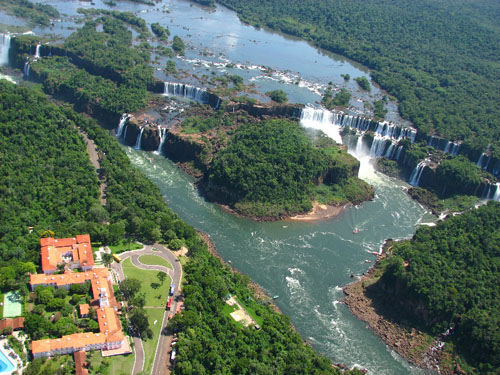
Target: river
{"points": [[305, 264]]}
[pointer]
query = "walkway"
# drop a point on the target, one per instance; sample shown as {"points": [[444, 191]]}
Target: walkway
{"points": [[94, 159], [161, 362]]}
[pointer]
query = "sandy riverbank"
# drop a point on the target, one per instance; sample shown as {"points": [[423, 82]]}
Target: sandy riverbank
{"points": [[320, 212]]}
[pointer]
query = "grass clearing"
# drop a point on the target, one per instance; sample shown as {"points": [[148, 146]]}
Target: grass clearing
{"points": [[116, 365], [150, 344], [155, 260], [155, 296], [251, 312], [123, 246]]}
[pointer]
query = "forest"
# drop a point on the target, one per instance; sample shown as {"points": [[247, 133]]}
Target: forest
{"points": [[438, 58], [447, 277]]}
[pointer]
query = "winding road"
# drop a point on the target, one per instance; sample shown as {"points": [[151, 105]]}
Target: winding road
{"points": [[161, 361]]}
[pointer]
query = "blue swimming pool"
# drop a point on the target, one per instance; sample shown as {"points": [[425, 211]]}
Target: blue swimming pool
{"points": [[6, 366]]}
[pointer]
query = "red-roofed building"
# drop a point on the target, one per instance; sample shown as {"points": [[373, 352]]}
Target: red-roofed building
{"points": [[12, 323], [76, 252]]}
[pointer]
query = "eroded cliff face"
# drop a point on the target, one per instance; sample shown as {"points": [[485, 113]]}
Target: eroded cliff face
{"points": [[268, 110]]}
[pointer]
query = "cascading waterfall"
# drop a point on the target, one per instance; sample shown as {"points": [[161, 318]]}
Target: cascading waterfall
{"points": [[37, 51], [125, 131], [26, 68], [378, 146], [186, 91], [4, 49], [162, 132], [496, 197], [121, 124], [441, 144], [321, 119], [417, 173], [481, 160], [496, 170], [139, 138]]}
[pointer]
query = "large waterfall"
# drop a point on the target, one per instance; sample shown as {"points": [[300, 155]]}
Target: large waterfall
{"points": [[186, 91], [331, 123], [121, 124], [139, 138], [417, 173], [26, 69], [496, 197], [4, 49], [37, 51], [162, 132]]}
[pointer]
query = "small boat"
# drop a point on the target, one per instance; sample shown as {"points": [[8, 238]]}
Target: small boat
{"points": [[275, 297], [355, 231], [284, 226]]}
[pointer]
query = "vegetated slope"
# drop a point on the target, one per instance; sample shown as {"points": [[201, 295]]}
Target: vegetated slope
{"points": [[271, 169], [439, 58], [448, 276]]}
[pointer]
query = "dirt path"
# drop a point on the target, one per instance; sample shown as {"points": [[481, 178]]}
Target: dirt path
{"points": [[94, 159]]}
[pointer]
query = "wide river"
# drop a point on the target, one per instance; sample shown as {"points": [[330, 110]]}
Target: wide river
{"points": [[305, 264]]}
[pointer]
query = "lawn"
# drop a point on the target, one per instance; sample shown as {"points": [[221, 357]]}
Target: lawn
{"points": [[251, 312], [124, 246], [116, 365], [154, 260], [1, 306], [150, 344], [156, 297]]}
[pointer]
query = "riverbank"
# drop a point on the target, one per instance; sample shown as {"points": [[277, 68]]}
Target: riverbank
{"points": [[258, 291], [417, 347], [321, 212]]}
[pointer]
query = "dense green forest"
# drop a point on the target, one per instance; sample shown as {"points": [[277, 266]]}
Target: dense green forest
{"points": [[448, 277], [273, 169], [439, 58]]}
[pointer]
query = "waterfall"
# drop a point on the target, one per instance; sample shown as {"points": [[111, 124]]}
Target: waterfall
{"points": [[139, 138], [125, 131], [496, 169], [121, 124], [486, 192], [496, 197], [217, 105], [162, 132], [417, 173], [378, 146], [390, 151], [4, 49], [26, 68], [186, 91], [398, 153], [37, 51], [480, 161], [321, 119]]}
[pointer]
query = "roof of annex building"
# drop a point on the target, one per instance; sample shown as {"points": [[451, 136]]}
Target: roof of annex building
{"points": [[53, 251]]}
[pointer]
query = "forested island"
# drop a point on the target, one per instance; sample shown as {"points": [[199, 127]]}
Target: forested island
{"points": [[444, 282], [265, 169]]}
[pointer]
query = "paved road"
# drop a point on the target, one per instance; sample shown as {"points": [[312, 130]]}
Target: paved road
{"points": [[161, 363]]}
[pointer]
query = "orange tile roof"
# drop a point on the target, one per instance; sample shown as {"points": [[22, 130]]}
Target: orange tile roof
{"points": [[69, 278], [108, 320], [52, 250], [80, 362], [84, 309], [14, 323]]}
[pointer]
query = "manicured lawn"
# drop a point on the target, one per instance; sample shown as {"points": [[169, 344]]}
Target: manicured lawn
{"points": [[150, 344], [1, 307], [154, 297], [116, 365], [154, 260], [53, 364], [124, 246]]}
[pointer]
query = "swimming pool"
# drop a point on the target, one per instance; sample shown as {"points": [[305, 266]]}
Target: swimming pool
{"points": [[6, 366]]}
